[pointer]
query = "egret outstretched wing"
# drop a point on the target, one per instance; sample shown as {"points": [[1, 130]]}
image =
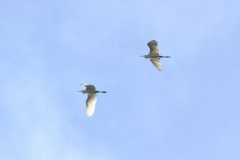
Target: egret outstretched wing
{"points": [[156, 63], [89, 87], [153, 45], [90, 103]]}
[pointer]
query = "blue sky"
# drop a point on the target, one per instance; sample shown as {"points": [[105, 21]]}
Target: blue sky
{"points": [[188, 111]]}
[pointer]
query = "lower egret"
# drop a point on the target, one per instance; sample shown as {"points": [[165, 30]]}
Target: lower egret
{"points": [[92, 98]]}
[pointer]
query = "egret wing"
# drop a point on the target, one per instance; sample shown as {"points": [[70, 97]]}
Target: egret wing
{"points": [[89, 87], [153, 45], [156, 63], [91, 102]]}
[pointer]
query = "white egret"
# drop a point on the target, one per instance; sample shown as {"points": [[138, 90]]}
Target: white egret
{"points": [[92, 98], [154, 54]]}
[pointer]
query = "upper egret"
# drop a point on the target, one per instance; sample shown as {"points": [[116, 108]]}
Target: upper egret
{"points": [[154, 54]]}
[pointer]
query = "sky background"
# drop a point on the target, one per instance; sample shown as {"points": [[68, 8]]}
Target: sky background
{"points": [[188, 111]]}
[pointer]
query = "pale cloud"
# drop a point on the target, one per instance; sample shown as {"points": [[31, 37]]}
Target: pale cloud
{"points": [[37, 127]]}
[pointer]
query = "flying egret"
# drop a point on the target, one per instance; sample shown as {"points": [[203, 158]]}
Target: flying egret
{"points": [[92, 98], [154, 54]]}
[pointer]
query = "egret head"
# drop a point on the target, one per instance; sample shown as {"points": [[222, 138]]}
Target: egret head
{"points": [[83, 91], [145, 56]]}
